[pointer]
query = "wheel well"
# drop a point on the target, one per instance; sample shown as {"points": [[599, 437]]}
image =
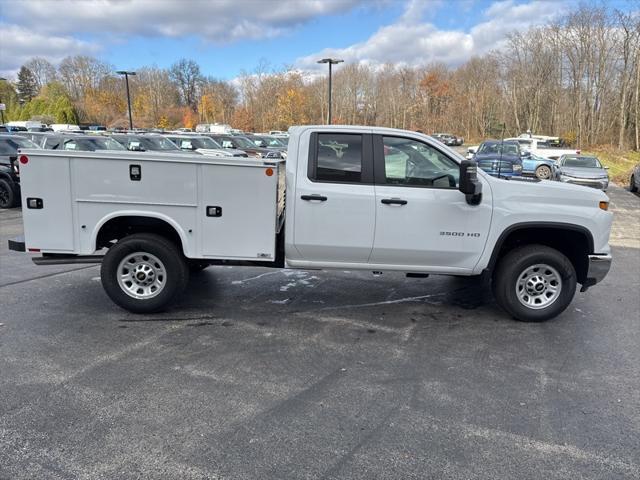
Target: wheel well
{"points": [[7, 177], [119, 227], [574, 244]]}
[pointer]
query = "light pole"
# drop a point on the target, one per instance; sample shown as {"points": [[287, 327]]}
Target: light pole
{"points": [[330, 61], [126, 81], [2, 79]]}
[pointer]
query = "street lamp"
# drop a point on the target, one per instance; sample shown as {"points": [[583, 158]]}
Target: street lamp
{"points": [[2, 79], [126, 81], [330, 61]]}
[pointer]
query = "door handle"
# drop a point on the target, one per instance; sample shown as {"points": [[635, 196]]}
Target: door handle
{"points": [[318, 198], [393, 201]]}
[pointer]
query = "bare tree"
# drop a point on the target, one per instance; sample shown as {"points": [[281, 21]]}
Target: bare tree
{"points": [[43, 71], [186, 74]]}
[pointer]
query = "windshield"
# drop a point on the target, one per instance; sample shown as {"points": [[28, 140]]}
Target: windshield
{"points": [[497, 148], [204, 142], [92, 144], [10, 146], [272, 142], [244, 142], [158, 143], [582, 162]]}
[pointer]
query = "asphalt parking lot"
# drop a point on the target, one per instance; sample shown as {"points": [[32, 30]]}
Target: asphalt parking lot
{"points": [[261, 374]]}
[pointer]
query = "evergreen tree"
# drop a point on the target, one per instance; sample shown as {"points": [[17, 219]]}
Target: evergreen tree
{"points": [[27, 84]]}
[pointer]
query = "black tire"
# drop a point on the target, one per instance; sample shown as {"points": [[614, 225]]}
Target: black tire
{"points": [[514, 264], [7, 194], [175, 272], [632, 184]]}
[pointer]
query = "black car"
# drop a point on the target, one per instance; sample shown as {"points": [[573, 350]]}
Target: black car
{"points": [[9, 169]]}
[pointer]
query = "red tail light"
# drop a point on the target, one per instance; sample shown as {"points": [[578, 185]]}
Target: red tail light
{"points": [[578, 152], [24, 159]]}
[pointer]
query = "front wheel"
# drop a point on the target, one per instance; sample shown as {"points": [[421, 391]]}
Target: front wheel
{"points": [[632, 184], [144, 273], [543, 172], [534, 283]]}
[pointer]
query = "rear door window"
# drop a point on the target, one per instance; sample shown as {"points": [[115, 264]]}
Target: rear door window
{"points": [[338, 158]]}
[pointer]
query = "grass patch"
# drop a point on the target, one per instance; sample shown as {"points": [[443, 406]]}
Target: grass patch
{"points": [[620, 162]]}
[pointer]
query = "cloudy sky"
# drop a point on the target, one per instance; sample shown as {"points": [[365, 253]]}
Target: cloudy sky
{"points": [[227, 37]]}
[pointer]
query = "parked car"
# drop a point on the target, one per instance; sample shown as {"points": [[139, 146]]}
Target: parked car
{"points": [[213, 128], [65, 127], [634, 181], [499, 158], [9, 168], [36, 137], [279, 133], [15, 128], [79, 142], [583, 170], [543, 168], [543, 148], [448, 139], [240, 142], [270, 142], [144, 143], [203, 144]]}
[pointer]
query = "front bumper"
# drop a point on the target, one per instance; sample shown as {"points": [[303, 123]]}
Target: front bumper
{"points": [[599, 266], [599, 183]]}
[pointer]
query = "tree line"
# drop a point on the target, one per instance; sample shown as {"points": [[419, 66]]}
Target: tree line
{"points": [[577, 78]]}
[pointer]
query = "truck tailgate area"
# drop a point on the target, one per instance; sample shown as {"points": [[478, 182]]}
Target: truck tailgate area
{"points": [[220, 209]]}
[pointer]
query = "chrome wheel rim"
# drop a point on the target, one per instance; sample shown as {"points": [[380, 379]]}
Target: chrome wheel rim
{"points": [[538, 286], [142, 275], [543, 173]]}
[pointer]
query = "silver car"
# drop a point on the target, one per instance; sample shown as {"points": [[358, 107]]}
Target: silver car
{"points": [[583, 170]]}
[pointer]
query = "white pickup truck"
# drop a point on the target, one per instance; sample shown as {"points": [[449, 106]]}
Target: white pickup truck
{"points": [[363, 198]]}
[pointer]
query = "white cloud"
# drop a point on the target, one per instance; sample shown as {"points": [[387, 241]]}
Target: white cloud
{"points": [[19, 44], [412, 42], [219, 21]]}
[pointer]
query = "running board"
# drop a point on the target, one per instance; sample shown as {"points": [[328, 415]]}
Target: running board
{"points": [[67, 259]]}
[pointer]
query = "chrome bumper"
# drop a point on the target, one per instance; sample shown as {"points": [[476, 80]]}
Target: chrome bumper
{"points": [[600, 184], [599, 266]]}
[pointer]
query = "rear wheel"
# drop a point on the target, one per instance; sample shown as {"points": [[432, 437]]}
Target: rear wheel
{"points": [[7, 195], [534, 283], [144, 273], [543, 172]]}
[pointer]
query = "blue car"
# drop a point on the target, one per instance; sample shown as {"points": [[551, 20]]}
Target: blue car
{"points": [[541, 167], [500, 158]]}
